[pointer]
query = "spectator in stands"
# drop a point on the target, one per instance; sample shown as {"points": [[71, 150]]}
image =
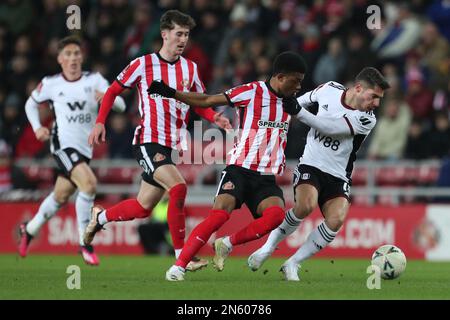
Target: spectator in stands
{"points": [[331, 64], [439, 136], [120, 133], [439, 13], [401, 33], [417, 144], [418, 96], [358, 56], [5, 170], [391, 133], [434, 49], [17, 14], [12, 119]]}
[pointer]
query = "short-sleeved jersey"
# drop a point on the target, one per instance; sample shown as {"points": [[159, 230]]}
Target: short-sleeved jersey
{"points": [[163, 120], [263, 127], [335, 154], [75, 108]]}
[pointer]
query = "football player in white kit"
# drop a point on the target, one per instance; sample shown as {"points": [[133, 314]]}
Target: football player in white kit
{"points": [[323, 175], [74, 96]]}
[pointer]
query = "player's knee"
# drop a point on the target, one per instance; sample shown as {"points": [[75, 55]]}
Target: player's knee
{"points": [[304, 209], [144, 209], [276, 215], [61, 197], [335, 222], [178, 191], [90, 186]]}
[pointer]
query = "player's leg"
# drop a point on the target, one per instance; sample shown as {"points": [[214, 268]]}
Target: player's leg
{"points": [[140, 207], [86, 182], [229, 196], [171, 179], [306, 197], [48, 208], [334, 210], [149, 195], [223, 205], [266, 203]]}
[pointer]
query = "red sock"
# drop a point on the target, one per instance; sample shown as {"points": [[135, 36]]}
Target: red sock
{"points": [[200, 235], [175, 214], [271, 218], [126, 210]]}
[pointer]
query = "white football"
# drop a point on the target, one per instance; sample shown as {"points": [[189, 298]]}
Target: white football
{"points": [[391, 260]]}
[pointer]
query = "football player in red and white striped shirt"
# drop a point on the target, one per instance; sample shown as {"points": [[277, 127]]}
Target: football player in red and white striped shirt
{"points": [[162, 129], [258, 156]]}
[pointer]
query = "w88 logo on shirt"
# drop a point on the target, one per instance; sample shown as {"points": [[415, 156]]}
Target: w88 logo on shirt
{"points": [[328, 142]]}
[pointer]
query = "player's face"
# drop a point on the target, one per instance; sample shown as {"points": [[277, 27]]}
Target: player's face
{"points": [[176, 39], [291, 83], [369, 98], [70, 58]]}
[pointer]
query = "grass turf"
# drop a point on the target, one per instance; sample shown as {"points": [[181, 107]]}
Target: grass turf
{"points": [[142, 277]]}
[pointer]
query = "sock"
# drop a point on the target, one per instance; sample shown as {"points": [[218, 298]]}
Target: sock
{"points": [[271, 218], [83, 204], [200, 235], [318, 239], [177, 253], [47, 209], [102, 219], [125, 211], [227, 242], [288, 226], [175, 215]]}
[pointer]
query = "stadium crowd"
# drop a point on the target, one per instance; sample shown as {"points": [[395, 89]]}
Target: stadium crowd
{"points": [[235, 42]]}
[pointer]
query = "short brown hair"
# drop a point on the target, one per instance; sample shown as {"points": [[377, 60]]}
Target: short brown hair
{"points": [[68, 40], [172, 17], [372, 77]]}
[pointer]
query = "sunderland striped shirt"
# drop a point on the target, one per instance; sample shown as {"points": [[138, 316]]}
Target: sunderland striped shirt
{"points": [[163, 120], [263, 128]]}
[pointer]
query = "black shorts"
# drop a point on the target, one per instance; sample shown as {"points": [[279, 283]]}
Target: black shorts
{"points": [[150, 157], [248, 186], [328, 186], [67, 159]]}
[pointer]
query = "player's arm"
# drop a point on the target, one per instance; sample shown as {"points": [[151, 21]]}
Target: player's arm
{"points": [[101, 87], [191, 98], [347, 125], [40, 94], [98, 133], [311, 97], [32, 112]]}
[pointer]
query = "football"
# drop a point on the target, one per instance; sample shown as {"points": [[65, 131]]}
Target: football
{"points": [[391, 260]]}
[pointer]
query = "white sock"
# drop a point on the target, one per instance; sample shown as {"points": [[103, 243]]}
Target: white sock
{"points": [[102, 218], [318, 239], [227, 242], [177, 253], [288, 226], [47, 209], [83, 205]]}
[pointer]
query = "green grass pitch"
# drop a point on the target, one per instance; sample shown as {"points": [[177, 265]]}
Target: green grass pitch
{"points": [[142, 277]]}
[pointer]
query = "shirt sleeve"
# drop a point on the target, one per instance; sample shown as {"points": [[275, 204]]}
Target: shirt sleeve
{"points": [[197, 83], [42, 92], [240, 96], [360, 122], [102, 84], [131, 74], [310, 97]]}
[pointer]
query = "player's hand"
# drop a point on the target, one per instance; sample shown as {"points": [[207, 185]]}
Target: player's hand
{"points": [[99, 96], [42, 134], [159, 87], [291, 106], [222, 122], [98, 134]]}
